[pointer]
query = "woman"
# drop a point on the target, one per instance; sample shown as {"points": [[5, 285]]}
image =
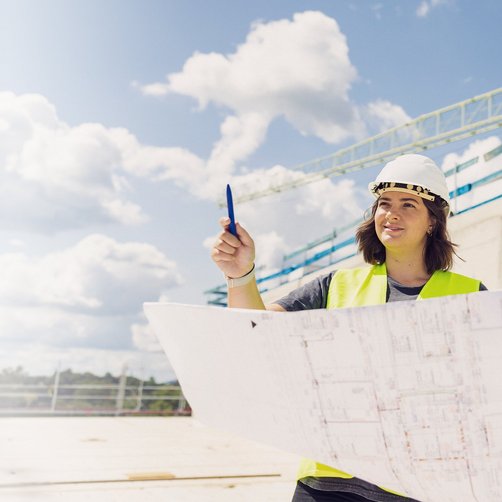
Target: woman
{"points": [[405, 240]]}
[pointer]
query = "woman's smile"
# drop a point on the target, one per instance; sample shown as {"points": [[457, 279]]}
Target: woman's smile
{"points": [[392, 228]]}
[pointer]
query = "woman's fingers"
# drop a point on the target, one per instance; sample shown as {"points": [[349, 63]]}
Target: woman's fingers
{"points": [[224, 246], [244, 237], [218, 255], [224, 222], [242, 234]]}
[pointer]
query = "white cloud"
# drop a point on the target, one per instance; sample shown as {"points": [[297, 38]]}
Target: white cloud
{"points": [[306, 54], [270, 250], [158, 163], [240, 136], [423, 9], [426, 6], [59, 177], [56, 177], [333, 200], [377, 9], [83, 306], [383, 115], [298, 70], [96, 276], [17, 243]]}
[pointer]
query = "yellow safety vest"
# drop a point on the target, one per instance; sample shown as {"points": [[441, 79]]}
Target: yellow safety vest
{"points": [[368, 286]]}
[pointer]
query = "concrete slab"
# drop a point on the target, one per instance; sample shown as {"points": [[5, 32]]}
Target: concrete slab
{"points": [[136, 458]]}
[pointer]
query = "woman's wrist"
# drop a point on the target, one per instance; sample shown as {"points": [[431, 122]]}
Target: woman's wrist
{"points": [[234, 282]]}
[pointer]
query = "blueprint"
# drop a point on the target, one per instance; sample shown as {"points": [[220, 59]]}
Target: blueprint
{"points": [[406, 395]]}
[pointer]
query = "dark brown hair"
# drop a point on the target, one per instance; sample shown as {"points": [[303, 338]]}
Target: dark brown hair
{"points": [[438, 252]]}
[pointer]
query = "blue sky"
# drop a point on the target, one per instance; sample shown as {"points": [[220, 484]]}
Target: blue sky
{"points": [[122, 121]]}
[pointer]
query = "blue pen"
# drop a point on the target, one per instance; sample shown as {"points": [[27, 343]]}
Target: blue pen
{"points": [[230, 206]]}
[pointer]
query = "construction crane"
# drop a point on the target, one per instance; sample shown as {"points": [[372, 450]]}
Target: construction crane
{"points": [[455, 122]]}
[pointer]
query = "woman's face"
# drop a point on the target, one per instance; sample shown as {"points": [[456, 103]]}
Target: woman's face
{"points": [[402, 221]]}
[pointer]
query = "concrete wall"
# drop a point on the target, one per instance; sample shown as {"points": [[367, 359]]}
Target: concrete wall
{"points": [[478, 234]]}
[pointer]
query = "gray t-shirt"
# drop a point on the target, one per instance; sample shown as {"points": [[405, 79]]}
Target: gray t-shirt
{"points": [[314, 295]]}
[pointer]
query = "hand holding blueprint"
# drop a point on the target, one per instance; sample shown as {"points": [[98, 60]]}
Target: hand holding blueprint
{"points": [[406, 395]]}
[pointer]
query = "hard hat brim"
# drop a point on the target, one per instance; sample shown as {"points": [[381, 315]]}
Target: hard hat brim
{"points": [[379, 188]]}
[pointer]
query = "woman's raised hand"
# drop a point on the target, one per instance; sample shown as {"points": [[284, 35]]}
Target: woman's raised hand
{"points": [[234, 256]]}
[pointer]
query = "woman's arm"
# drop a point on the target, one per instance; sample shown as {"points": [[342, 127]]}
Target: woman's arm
{"points": [[248, 297]]}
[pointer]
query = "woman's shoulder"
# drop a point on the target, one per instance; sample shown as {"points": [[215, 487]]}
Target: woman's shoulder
{"points": [[461, 279]]}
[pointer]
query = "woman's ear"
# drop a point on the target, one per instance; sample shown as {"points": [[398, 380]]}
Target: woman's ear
{"points": [[432, 224]]}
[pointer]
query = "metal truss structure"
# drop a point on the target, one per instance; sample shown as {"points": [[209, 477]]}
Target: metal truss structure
{"points": [[455, 122]]}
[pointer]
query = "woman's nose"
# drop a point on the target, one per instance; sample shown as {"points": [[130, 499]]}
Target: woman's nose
{"points": [[391, 215]]}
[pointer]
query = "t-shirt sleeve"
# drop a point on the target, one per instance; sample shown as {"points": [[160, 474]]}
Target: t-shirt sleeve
{"points": [[312, 295]]}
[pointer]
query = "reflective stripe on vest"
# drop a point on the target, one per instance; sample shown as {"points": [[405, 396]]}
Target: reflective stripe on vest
{"points": [[368, 286]]}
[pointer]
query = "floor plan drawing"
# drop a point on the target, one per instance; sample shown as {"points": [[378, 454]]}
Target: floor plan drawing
{"points": [[406, 395]]}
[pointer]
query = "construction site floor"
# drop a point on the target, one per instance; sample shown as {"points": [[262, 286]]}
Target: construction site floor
{"points": [[126, 459]]}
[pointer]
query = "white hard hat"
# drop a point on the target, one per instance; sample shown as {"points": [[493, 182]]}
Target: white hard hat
{"points": [[412, 173]]}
